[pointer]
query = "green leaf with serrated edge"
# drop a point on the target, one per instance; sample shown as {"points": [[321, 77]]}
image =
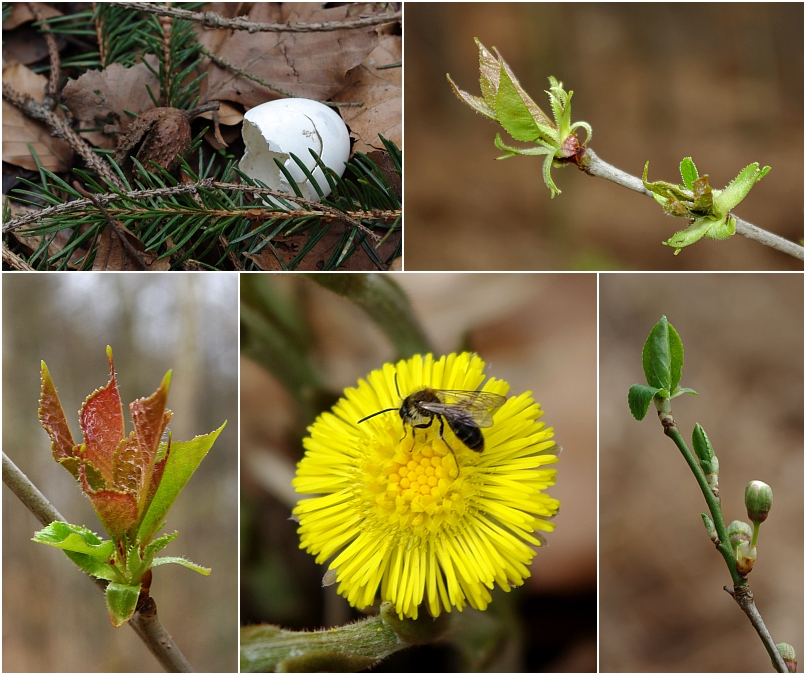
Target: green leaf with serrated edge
{"points": [[722, 229], [688, 172], [693, 233], [184, 562], [662, 357], [121, 601], [679, 391], [738, 188], [158, 544], [512, 112], [489, 71], [75, 538], [94, 567], [183, 460], [639, 398]]}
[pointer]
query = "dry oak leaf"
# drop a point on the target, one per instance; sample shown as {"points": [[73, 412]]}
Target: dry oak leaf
{"points": [[100, 97], [20, 130], [111, 254], [381, 92], [311, 65]]}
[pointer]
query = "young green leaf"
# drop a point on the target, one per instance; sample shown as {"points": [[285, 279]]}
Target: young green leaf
{"points": [[688, 172], [639, 398], [183, 459], [662, 356], [184, 562], [121, 601], [75, 538]]}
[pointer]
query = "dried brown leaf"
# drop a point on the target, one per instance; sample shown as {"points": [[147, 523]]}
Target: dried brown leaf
{"points": [[381, 92], [111, 254], [100, 97], [311, 65], [21, 13], [20, 130]]}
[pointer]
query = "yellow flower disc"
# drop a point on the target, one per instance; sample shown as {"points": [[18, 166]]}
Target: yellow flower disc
{"points": [[421, 517]]}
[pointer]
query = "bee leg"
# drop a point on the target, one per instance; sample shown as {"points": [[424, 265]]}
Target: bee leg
{"points": [[441, 435]]}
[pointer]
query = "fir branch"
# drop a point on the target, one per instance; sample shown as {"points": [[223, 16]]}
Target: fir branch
{"points": [[62, 130], [80, 207], [223, 63], [594, 165], [213, 20]]}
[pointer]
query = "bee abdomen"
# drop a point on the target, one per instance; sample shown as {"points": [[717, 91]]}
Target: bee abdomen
{"points": [[469, 434]]}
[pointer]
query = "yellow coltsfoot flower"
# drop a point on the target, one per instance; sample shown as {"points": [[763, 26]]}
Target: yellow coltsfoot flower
{"points": [[409, 508]]}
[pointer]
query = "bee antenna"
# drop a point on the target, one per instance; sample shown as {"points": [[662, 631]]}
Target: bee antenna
{"points": [[380, 412], [397, 389]]}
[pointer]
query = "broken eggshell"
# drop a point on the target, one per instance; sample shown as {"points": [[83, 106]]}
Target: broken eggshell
{"points": [[293, 125]]}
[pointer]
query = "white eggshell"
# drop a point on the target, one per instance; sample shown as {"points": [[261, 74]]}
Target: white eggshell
{"points": [[292, 125]]}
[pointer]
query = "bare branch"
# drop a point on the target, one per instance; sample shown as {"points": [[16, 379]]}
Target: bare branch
{"points": [[744, 598], [213, 20]]}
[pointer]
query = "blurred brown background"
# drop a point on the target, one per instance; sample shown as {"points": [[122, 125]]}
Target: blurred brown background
{"points": [[538, 332], [55, 618], [662, 604], [722, 83]]}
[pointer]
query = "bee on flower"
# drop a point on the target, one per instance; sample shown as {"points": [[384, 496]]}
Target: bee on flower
{"points": [[435, 504]]}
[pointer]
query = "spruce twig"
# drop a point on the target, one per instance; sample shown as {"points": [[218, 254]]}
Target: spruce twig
{"points": [[52, 87], [145, 621], [213, 20]]}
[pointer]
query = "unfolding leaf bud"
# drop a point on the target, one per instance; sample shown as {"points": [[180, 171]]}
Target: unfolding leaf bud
{"points": [[789, 656], [738, 533], [709, 528], [708, 461], [745, 558], [758, 500]]}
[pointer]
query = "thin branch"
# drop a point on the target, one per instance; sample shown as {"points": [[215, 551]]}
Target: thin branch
{"points": [[52, 87], [13, 260], [145, 621], [601, 169], [80, 205], [223, 63], [744, 598], [64, 131], [213, 20]]}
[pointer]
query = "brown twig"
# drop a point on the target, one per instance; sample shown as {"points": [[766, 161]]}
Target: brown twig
{"points": [[166, 23], [62, 130], [213, 20], [744, 598], [223, 63], [145, 622], [52, 87], [99, 34], [13, 260]]}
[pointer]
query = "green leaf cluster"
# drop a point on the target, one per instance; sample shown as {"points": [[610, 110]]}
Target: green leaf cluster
{"points": [[706, 208], [662, 358], [505, 101]]}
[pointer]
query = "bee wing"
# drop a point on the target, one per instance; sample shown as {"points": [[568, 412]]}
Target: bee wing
{"points": [[475, 406]]}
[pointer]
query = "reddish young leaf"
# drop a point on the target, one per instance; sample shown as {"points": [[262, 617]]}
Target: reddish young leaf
{"points": [[117, 511], [53, 420], [101, 421]]}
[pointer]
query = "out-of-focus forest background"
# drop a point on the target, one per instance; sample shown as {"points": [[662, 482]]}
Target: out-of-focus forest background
{"points": [[662, 604], [538, 332], [55, 618], [722, 83]]}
